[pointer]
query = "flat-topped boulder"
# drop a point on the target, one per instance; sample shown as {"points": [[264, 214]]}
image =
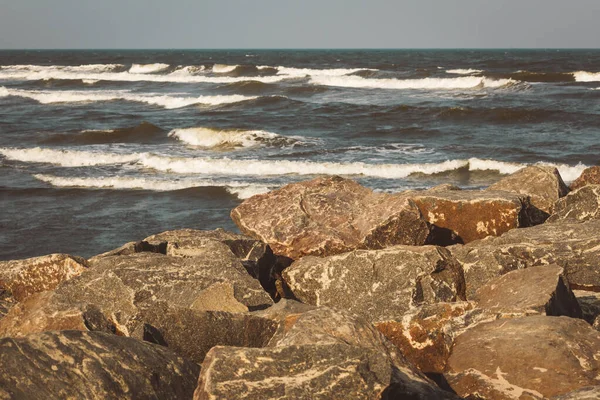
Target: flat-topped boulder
{"points": [[530, 357], [580, 205], [574, 246], [542, 183], [123, 286], [327, 216], [461, 216], [589, 176], [379, 285], [25, 277], [91, 365]]}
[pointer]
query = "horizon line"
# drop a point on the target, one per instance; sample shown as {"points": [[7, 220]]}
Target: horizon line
{"points": [[296, 48]]}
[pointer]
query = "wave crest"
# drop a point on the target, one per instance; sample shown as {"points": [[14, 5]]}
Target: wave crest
{"points": [[470, 82], [584, 76], [148, 68], [228, 139]]}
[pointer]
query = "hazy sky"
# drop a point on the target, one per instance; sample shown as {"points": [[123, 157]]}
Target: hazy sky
{"points": [[298, 23]]}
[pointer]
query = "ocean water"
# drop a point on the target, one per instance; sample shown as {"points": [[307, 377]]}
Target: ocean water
{"points": [[98, 148]]}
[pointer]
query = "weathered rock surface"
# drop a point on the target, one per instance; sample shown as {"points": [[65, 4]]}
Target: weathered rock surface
{"points": [[380, 285], [534, 290], [575, 246], [461, 216], [90, 365], [25, 277], [589, 303], [544, 185], [327, 216], [123, 286], [581, 205], [192, 333], [7, 301], [589, 176], [587, 393], [530, 357]]}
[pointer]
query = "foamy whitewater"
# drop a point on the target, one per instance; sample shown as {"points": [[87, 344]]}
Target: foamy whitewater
{"points": [[98, 148]]}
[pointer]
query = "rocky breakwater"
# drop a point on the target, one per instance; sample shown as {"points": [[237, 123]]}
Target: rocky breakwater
{"points": [[336, 293]]}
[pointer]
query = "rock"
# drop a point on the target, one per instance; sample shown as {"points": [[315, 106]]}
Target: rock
{"points": [[580, 205], [25, 277], [537, 290], [535, 356], [327, 216], [574, 246], [542, 183], [589, 176], [124, 286], [461, 216], [589, 303], [7, 301], [587, 393], [192, 333], [91, 365], [379, 285]]}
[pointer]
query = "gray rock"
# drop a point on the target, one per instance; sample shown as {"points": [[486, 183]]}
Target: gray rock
{"points": [[380, 285], [90, 365], [534, 290], [580, 205], [536, 356], [327, 216], [589, 303], [589, 176], [573, 246], [543, 184]]}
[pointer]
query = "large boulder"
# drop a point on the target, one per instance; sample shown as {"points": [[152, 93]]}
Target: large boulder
{"points": [[25, 277], [589, 176], [581, 205], [542, 183], [461, 216], [537, 356], [380, 285], [575, 246], [327, 216], [91, 365]]}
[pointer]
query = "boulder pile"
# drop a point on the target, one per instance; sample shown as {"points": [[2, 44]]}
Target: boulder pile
{"points": [[332, 291]]}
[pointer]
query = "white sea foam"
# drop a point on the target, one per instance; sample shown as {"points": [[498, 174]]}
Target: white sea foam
{"points": [[67, 158], [74, 96], [90, 81], [207, 137], [147, 68], [98, 68], [460, 71], [568, 172], [188, 70], [584, 76], [302, 72], [467, 82], [223, 69], [240, 189]]}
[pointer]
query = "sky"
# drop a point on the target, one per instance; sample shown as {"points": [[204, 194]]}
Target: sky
{"points": [[203, 24]]}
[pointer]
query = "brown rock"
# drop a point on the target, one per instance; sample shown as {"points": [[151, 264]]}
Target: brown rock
{"points": [[543, 184], [531, 357], [589, 176], [380, 285], [575, 246], [25, 277], [580, 205], [327, 216], [91, 365], [535, 290], [587, 393], [7, 301], [589, 303]]}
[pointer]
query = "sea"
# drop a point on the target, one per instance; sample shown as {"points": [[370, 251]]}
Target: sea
{"points": [[102, 147]]}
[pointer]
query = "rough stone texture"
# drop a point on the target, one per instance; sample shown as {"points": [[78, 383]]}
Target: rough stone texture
{"points": [[589, 303], [380, 285], [25, 277], [539, 290], [327, 216], [575, 246], [581, 205], [587, 393], [461, 216], [90, 365], [536, 356], [123, 286], [589, 176], [192, 333], [544, 185], [7, 301]]}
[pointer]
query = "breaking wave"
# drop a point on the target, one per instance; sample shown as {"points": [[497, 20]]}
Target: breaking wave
{"points": [[584, 76], [67, 158], [302, 72], [470, 82], [227, 139], [148, 68], [223, 69], [464, 71]]}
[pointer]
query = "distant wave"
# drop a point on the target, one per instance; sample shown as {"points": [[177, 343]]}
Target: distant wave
{"points": [[148, 68], [584, 76], [302, 72], [227, 139], [142, 133], [169, 102], [223, 69], [240, 189], [68, 68], [464, 71], [68, 158], [470, 82]]}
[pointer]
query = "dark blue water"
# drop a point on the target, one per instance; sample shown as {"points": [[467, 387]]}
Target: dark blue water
{"points": [[98, 148]]}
